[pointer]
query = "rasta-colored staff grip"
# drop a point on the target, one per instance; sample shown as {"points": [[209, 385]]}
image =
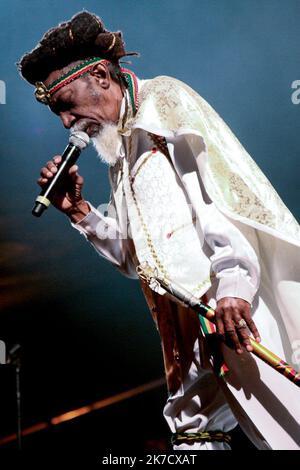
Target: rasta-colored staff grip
{"points": [[258, 349], [151, 277]]}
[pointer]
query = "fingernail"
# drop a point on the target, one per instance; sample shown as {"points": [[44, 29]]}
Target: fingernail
{"points": [[239, 351], [258, 340], [249, 348]]}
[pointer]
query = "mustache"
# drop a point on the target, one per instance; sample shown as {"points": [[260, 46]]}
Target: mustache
{"points": [[90, 127]]}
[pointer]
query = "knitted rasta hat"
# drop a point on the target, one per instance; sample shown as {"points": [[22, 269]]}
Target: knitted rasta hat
{"points": [[82, 37]]}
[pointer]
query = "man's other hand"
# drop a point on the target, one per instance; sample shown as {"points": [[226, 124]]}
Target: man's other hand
{"points": [[230, 313]]}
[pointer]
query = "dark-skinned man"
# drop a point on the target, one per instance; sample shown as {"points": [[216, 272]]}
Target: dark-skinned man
{"points": [[188, 202]]}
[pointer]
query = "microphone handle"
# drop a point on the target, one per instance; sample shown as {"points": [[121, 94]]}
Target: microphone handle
{"points": [[42, 202]]}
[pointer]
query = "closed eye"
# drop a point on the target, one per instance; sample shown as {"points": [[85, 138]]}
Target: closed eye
{"points": [[61, 106], [62, 103]]}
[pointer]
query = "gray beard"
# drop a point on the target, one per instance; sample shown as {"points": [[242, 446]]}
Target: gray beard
{"points": [[108, 143]]}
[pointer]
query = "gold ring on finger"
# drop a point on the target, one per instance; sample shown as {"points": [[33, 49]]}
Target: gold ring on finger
{"points": [[242, 323]]}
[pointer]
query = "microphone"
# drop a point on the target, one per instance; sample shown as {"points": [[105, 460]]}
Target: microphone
{"points": [[78, 141]]}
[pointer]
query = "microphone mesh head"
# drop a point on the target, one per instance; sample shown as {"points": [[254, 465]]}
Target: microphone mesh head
{"points": [[79, 139]]}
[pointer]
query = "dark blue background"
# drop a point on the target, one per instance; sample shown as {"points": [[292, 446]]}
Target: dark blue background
{"points": [[85, 330]]}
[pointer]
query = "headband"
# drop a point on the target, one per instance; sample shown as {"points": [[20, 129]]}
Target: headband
{"points": [[44, 93]]}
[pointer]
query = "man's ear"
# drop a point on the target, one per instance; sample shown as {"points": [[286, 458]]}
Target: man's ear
{"points": [[101, 73]]}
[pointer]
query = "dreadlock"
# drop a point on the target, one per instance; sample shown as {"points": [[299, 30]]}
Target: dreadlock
{"points": [[83, 36]]}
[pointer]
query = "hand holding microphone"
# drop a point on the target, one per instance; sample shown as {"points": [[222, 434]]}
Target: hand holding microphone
{"points": [[61, 184]]}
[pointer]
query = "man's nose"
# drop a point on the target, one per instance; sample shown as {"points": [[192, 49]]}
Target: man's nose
{"points": [[68, 119]]}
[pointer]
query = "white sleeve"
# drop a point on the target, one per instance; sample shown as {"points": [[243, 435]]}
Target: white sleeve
{"points": [[233, 260], [103, 233]]}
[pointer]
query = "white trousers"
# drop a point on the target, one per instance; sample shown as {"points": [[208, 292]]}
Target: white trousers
{"points": [[199, 405]]}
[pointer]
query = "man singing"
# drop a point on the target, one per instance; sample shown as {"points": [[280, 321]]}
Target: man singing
{"points": [[189, 202]]}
